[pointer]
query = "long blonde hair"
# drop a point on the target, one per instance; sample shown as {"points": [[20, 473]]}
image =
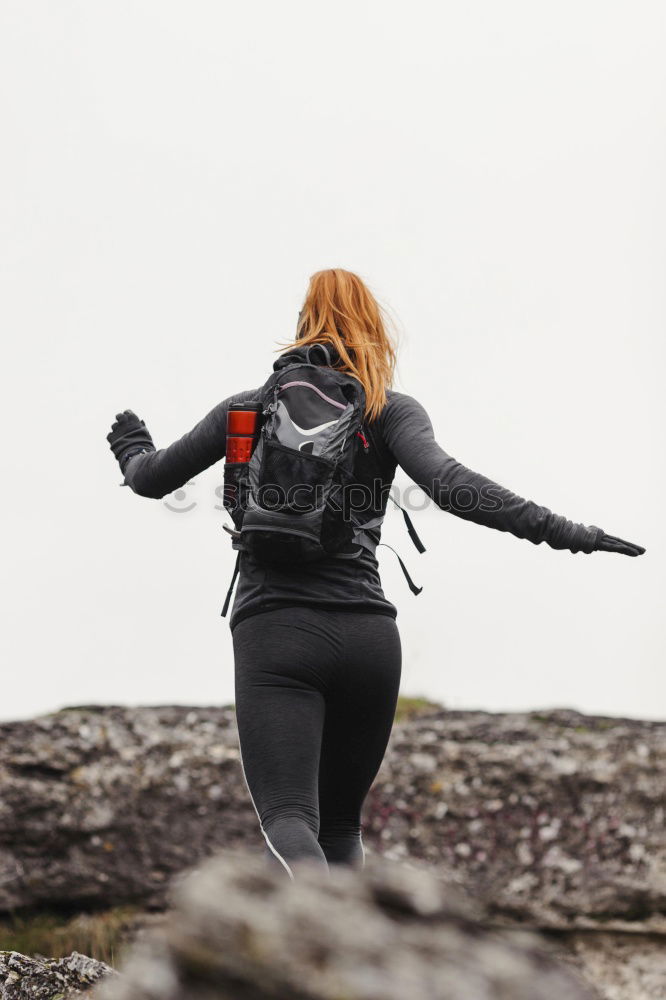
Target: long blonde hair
{"points": [[339, 309]]}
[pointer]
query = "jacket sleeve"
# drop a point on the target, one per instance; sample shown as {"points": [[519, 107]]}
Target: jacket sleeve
{"points": [[409, 435], [157, 473]]}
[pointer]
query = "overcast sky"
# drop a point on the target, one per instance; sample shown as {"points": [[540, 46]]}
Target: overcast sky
{"points": [[172, 173]]}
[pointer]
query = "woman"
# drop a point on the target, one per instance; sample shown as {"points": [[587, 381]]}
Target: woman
{"points": [[317, 650]]}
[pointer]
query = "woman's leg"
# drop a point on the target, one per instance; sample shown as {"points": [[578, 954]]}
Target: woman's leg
{"points": [[281, 660], [359, 715]]}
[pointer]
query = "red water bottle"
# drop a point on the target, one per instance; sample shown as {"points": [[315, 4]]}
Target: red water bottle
{"points": [[243, 427]]}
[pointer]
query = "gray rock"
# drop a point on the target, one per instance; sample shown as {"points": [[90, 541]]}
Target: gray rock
{"points": [[242, 931], [100, 806], [48, 979], [557, 817], [622, 966]]}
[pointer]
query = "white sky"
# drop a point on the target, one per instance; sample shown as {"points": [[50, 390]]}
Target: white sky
{"points": [[170, 175]]}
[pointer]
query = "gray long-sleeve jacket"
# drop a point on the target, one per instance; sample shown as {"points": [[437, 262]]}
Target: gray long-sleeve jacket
{"points": [[402, 435]]}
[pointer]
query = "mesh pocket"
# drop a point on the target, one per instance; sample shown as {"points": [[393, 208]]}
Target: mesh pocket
{"points": [[235, 490], [291, 480], [337, 530]]}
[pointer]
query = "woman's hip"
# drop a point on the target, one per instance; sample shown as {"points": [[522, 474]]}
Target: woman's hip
{"points": [[318, 646]]}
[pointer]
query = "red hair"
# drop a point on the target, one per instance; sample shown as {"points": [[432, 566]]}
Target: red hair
{"points": [[339, 309]]}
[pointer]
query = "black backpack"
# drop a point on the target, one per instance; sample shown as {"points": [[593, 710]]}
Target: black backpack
{"points": [[297, 499]]}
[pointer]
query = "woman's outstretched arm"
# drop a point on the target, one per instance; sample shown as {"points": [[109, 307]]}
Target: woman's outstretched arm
{"points": [[152, 473], [409, 434]]}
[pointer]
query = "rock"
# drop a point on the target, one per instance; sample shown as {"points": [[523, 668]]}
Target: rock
{"points": [[47, 979], [556, 816], [240, 930], [100, 806], [622, 966]]}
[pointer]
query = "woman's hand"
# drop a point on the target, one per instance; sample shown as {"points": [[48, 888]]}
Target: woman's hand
{"points": [[128, 436], [609, 543]]}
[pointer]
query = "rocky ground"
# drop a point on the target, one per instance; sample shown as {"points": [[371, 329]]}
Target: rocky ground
{"points": [[388, 933], [555, 819]]}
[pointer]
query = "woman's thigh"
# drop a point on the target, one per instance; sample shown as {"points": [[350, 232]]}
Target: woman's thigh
{"points": [[284, 660], [359, 714]]}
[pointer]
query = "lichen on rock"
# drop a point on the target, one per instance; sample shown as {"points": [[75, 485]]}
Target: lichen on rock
{"points": [[23, 978]]}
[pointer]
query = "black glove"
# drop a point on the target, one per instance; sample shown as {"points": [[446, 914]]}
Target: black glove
{"points": [[609, 543], [129, 436]]}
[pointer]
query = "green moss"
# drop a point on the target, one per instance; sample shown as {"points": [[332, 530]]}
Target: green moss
{"points": [[409, 708], [52, 935]]}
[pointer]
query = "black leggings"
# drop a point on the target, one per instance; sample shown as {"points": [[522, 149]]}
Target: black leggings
{"points": [[316, 693]]}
